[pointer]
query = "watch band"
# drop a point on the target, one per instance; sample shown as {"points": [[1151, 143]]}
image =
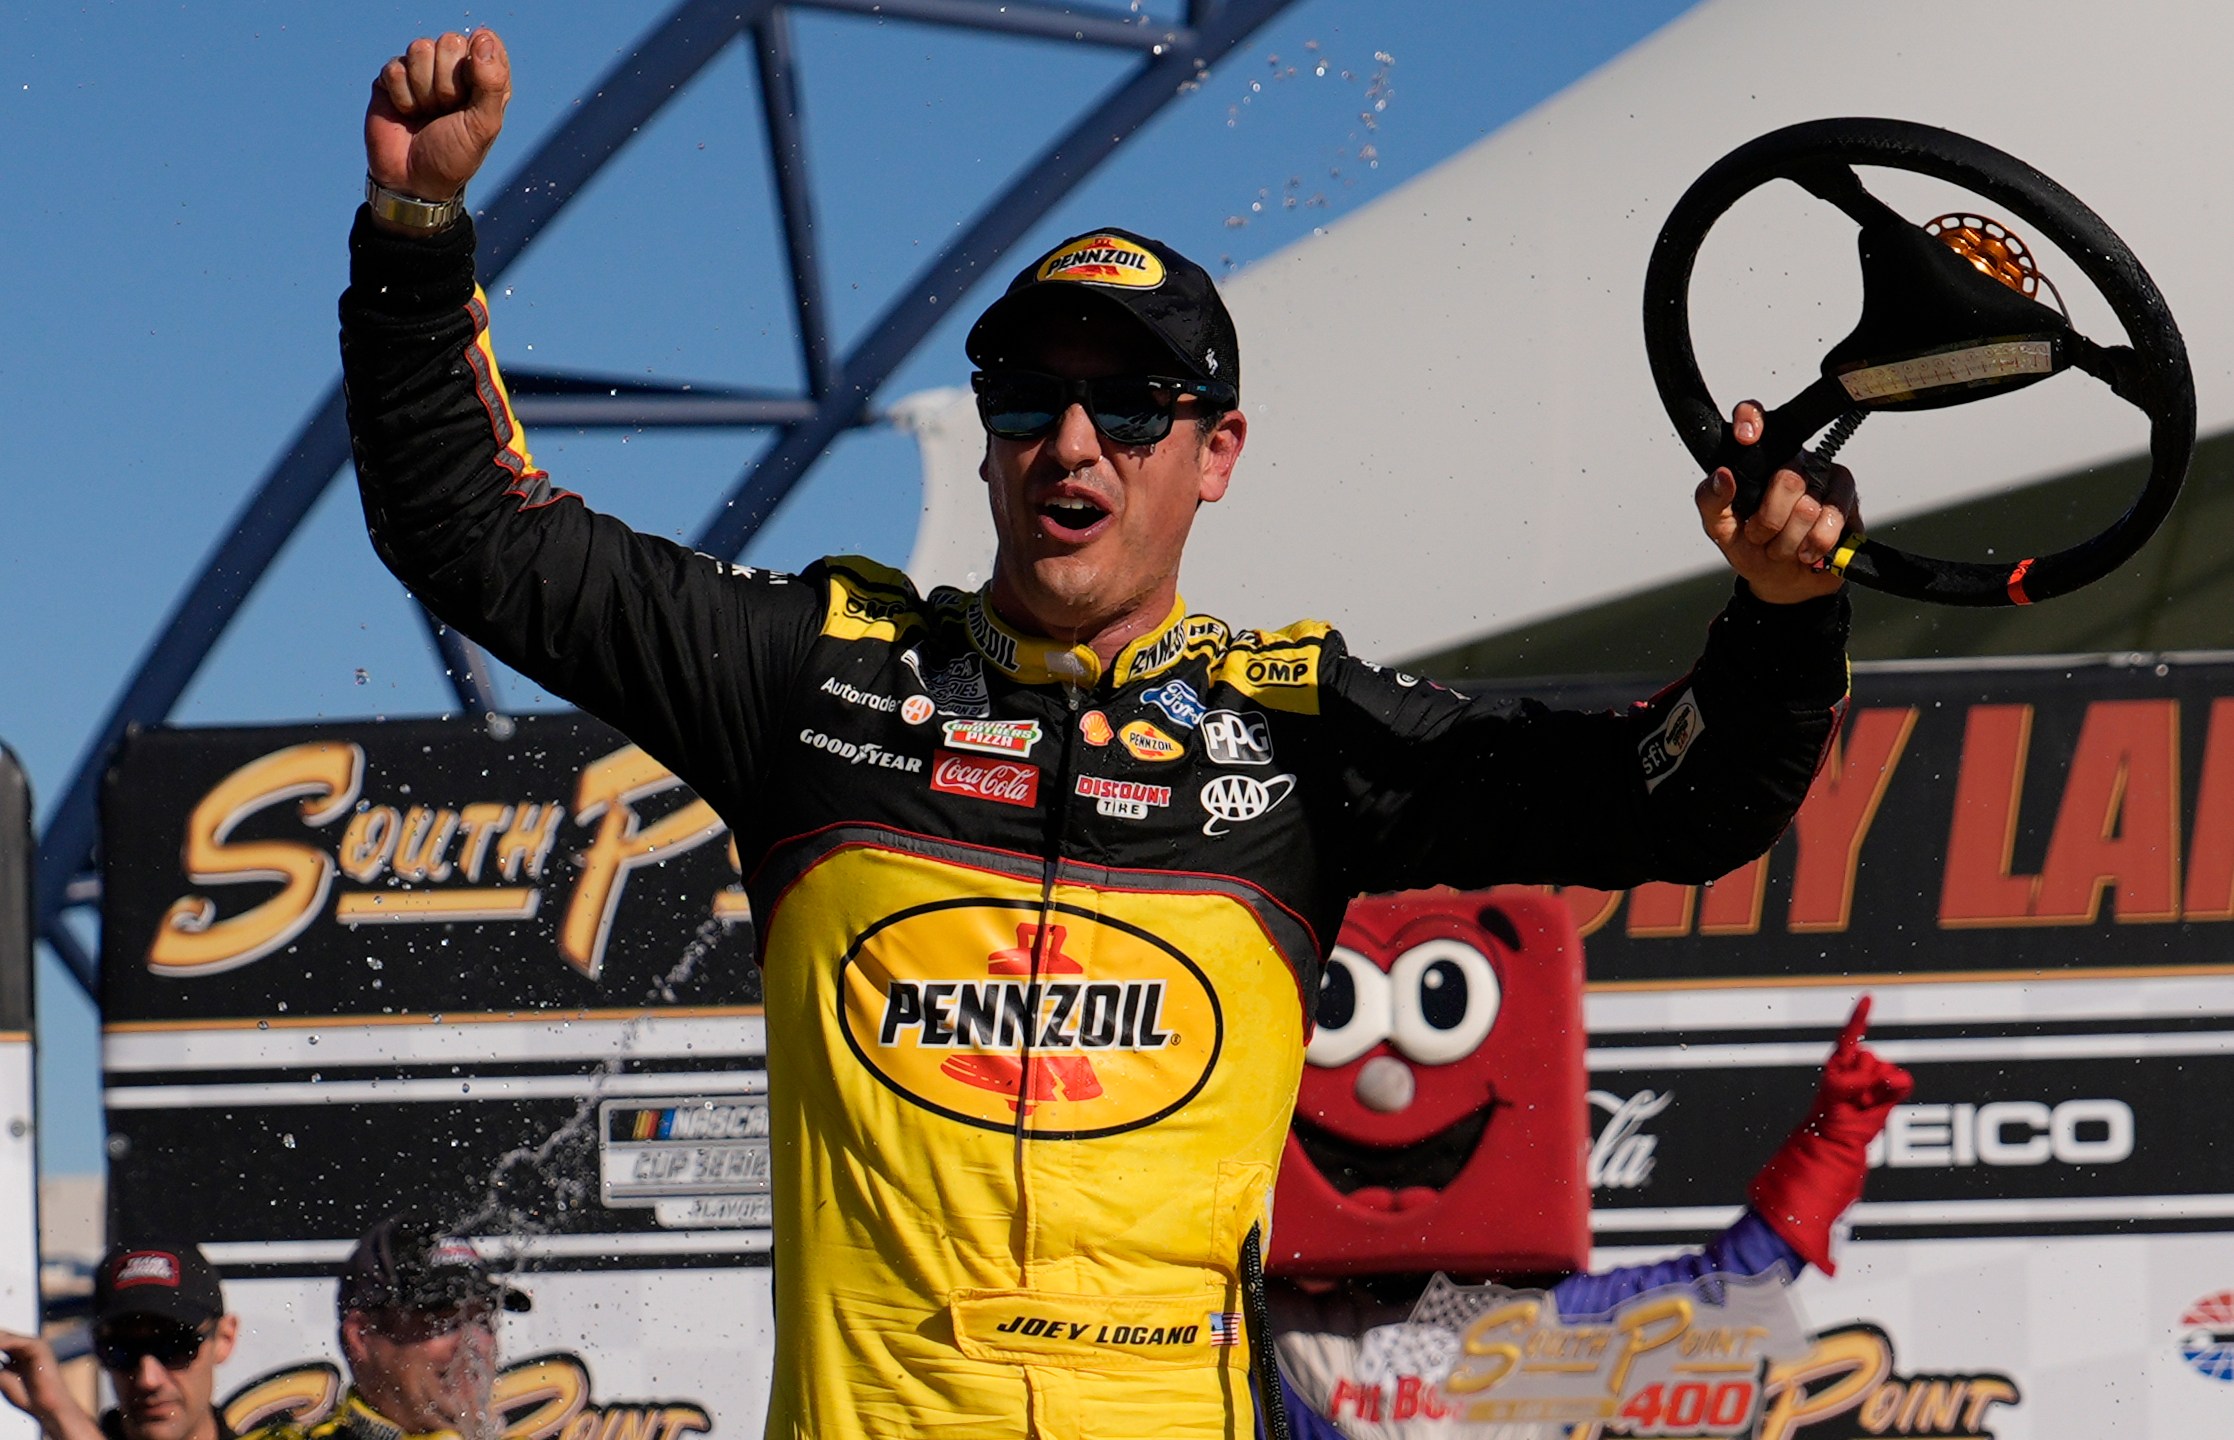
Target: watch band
{"points": [[410, 211]]}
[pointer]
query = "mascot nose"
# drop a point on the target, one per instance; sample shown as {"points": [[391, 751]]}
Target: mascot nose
{"points": [[1385, 1083]]}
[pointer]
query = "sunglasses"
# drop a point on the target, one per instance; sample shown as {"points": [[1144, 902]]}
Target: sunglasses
{"points": [[1126, 409], [173, 1346]]}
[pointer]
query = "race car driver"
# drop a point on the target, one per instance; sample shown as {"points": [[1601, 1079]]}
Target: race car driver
{"points": [[1041, 876]]}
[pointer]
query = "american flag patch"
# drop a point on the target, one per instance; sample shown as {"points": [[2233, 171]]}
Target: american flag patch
{"points": [[1225, 1327]]}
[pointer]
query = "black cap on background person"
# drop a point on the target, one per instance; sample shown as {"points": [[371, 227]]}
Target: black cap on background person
{"points": [[418, 1314], [159, 1329], [408, 1262]]}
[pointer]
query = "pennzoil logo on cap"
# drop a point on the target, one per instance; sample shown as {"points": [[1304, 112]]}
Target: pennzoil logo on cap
{"points": [[1104, 260]]}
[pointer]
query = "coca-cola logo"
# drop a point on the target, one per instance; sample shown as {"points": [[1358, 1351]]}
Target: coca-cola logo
{"points": [[1007, 781], [1621, 1153]]}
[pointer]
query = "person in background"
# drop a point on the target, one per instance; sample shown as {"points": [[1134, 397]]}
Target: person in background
{"points": [[160, 1331], [418, 1312]]}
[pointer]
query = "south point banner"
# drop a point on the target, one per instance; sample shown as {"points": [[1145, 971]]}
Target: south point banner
{"points": [[501, 975]]}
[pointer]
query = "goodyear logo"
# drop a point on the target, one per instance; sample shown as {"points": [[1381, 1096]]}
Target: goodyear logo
{"points": [[1072, 1028], [1104, 260]]}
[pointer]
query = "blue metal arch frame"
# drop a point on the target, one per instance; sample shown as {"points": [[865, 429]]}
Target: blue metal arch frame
{"points": [[839, 388]]}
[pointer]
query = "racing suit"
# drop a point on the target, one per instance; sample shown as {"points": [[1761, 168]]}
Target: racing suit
{"points": [[1040, 936]]}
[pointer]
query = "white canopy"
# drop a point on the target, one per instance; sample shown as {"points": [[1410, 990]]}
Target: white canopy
{"points": [[1453, 426]]}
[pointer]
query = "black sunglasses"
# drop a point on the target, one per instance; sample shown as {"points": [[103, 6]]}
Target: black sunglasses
{"points": [[1127, 409], [173, 1346]]}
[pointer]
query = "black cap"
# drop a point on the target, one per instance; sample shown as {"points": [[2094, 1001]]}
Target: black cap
{"points": [[1170, 296], [173, 1281], [408, 1262]]}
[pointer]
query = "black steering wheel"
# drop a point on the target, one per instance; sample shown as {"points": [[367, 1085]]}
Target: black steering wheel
{"points": [[1949, 315]]}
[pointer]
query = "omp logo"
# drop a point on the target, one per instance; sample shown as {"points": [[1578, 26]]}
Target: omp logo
{"points": [[974, 1010], [859, 611], [859, 606], [1278, 670], [1104, 260]]}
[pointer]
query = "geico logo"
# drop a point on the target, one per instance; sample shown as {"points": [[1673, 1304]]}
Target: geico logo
{"points": [[2005, 1132], [1271, 671], [861, 752], [874, 607], [1066, 1026], [1010, 1014]]}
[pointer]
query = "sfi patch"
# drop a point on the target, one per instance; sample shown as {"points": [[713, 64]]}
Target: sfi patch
{"points": [[1104, 260], [976, 1011], [1663, 750]]}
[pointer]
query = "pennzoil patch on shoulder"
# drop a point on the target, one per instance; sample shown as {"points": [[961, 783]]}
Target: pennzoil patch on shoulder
{"points": [[1104, 260]]}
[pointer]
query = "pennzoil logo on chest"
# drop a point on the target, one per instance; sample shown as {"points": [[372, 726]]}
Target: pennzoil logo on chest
{"points": [[1066, 1026]]}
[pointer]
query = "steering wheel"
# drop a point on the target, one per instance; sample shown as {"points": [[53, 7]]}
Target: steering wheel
{"points": [[1949, 315]]}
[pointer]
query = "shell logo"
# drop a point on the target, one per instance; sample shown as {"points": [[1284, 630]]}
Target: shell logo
{"points": [[1062, 1025], [1104, 260]]}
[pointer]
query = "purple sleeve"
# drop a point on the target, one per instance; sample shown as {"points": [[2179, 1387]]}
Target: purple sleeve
{"points": [[1748, 1247]]}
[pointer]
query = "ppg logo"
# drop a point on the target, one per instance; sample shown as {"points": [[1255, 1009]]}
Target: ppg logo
{"points": [[1230, 737], [1235, 799]]}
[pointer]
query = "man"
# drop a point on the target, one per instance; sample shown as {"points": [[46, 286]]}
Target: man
{"points": [[1042, 877], [160, 1331], [418, 1314]]}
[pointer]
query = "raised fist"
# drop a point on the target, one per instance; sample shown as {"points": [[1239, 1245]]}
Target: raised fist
{"points": [[435, 111], [1809, 1183]]}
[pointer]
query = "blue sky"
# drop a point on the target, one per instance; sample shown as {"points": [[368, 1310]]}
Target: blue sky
{"points": [[182, 177]]}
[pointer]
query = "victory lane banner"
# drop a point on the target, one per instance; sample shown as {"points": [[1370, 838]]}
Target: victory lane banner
{"points": [[1974, 821]]}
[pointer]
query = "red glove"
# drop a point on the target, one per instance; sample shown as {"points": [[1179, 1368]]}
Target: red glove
{"points": [[1809, 1183]]}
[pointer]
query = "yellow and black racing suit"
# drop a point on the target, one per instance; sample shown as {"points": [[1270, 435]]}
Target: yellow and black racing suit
{"points": [[1040, 937]]}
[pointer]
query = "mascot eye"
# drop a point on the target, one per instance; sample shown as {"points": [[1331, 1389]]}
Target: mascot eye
{"points": [[1445, 998], [1353, 1009]]}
